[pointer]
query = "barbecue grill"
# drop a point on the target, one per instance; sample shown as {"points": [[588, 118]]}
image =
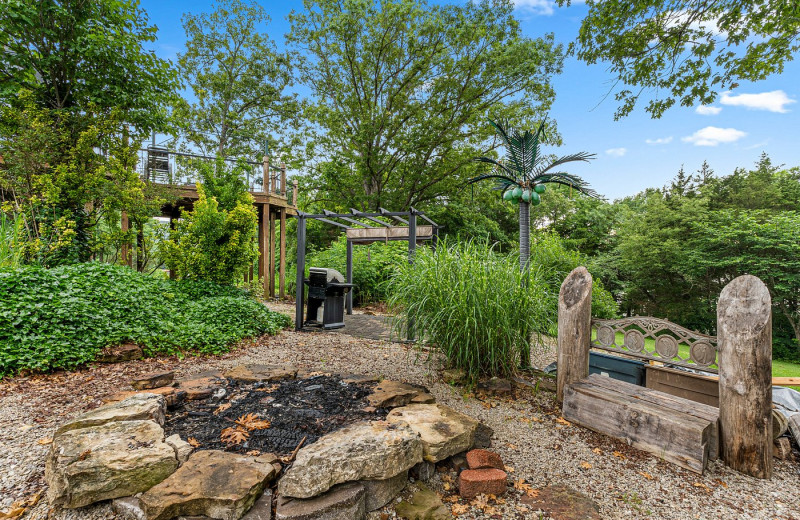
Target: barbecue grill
{"points": [[326, 291]]}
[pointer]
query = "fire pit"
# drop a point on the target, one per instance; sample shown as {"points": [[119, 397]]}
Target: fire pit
{"points": [[272, 417]]}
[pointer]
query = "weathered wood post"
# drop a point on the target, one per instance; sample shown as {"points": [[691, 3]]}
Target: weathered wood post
{"points": [[574, 328], [295, 185], [265, 175], [744, 337]]}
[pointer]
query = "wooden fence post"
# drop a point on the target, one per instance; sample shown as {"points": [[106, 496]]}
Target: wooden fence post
{"points": [[574, 328], [265, 175], [744, 337]]}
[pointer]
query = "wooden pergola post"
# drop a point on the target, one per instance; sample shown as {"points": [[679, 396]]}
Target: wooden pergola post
{"points": [[744, 338], [574, 329], [260, 241], [271, 272], [265, 174], [264, 247], [282, 264]]}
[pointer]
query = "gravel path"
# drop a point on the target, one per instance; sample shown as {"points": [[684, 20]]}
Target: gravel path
{"points": [[626, 483]]}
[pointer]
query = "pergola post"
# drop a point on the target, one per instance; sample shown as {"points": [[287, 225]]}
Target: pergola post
{"points": [[264, 247], [349, 274], [301, 272], [412, 247], [282, 265], [272, 255]]}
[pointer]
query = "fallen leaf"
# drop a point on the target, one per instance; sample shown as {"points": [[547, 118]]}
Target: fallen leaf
{"points": [[721, 483], [446, 486], [193, 442], [648, 476], [620, 455], [597, 451], [509, 469], [85, 454], [254, 453], [563, 421], [459, 509], [252, 422], [234, 435], [14, 512], [586, 465], [222, 408], [45, 441]]}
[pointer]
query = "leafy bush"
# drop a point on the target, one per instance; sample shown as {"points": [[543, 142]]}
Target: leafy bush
{"points": [[213, 244], [373, 266], [62, 317], [473, 304]]}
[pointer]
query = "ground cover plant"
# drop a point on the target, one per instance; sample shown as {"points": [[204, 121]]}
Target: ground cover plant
{"points": [[63, 317]]}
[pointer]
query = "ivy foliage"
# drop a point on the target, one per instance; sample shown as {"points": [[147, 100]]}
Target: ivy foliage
{"points": [[62, 317]]}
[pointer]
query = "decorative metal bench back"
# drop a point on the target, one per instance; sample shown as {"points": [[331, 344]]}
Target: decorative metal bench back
{"points": [[629, 336]]}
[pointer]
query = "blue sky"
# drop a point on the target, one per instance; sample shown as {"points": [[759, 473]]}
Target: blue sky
{"points": [[632, 154]]}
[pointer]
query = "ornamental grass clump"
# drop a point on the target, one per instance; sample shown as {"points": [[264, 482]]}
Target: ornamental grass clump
{"points": [[473, 305]]}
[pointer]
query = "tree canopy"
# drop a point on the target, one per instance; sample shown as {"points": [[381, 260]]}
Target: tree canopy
{"points": [[239, 80], [686, 52], [401, 89]]}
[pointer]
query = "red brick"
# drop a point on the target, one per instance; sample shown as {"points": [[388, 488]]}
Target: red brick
{"points": [[484, 459], [473, 482]]}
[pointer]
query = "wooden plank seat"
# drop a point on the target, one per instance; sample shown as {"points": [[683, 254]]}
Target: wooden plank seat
{"points": [[676, 429]]}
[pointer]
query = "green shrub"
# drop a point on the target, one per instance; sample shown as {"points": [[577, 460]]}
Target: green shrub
{"points": [[473, 304], [62, 317], [211, 243], [373, 266]]}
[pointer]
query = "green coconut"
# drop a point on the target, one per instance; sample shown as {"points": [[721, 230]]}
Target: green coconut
{"points": [[540, 188], [535, 199], [526, 196], [508, 195], [517, 192]]}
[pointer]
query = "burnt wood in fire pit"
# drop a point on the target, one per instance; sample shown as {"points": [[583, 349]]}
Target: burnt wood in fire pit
{"points": [[294, 409]]}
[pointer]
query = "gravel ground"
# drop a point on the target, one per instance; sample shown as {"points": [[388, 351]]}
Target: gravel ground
{"points": [[537, 448]]}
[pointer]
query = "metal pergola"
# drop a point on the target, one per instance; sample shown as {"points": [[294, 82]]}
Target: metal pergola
{"points": [[370, 229]]}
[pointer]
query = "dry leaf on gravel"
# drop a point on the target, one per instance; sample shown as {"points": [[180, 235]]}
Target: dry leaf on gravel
{"points": [[45, 441], [233, 435], [194, 443], [620, 455], [563, 421], [586, 465], [597, 451], [646, 475], [459, 509]]}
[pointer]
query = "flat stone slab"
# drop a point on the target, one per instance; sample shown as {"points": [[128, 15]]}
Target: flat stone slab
{"points": [[155, 380], [171, 395], [260, 373], [138, 407], [262, 509], [374, 450], [564, 503], [444, 431], [106, 461], [342, 502], [182, 448], [200, 387], [378, 493], [120, 353], [391, 394], [213, 483]]}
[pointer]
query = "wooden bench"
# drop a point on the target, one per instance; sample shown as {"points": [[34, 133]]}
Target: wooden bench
{"points": [[678, 430], [682, 431]]}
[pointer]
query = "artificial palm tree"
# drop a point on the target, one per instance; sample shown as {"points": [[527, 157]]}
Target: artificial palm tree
{"points": [[523, 174]]}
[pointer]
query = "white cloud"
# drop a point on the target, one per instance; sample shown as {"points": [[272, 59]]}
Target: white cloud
{"points": [[660, 140], [544, 7], [712, 136], [616, 152], [774, 101], [708, 110]]}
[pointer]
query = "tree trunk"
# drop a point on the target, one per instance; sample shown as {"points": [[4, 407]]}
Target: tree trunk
{"points": [[524, 235]]}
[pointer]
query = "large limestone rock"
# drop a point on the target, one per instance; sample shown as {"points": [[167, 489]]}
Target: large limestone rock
{"points": [[106, 461], [138, 407], [213, 483], [378, 493], [390, 394], [444, 431], [363, 451]]}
